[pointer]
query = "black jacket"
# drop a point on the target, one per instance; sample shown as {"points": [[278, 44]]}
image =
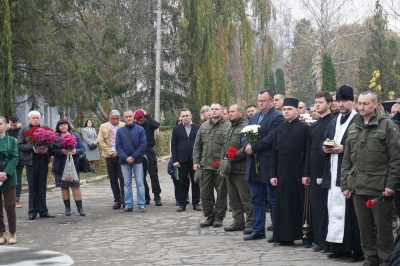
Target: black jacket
{"points": [[149, 126], [181, 144]]}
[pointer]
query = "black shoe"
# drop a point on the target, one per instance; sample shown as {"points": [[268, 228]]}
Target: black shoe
{"points": [[307, 245], [336, 255], [356, 257], [181, 208], [46, 215], [254, 236], [158, 202], [284, 243], [117, 205], [271, 239], [31, 217], [147, 202], [269, 228]]}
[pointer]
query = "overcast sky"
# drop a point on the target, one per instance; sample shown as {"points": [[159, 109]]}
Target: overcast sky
{"points": [[352, 11]]}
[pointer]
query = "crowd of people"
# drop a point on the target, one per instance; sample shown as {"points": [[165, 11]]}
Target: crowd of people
{"points": [[330, 184]]}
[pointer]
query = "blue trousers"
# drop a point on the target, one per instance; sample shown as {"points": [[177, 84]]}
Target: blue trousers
{"points": [[259, 192]]}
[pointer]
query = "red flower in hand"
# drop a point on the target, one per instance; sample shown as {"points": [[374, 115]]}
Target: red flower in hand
{"points": [[232, 152], [371, 203], [216, 164]]}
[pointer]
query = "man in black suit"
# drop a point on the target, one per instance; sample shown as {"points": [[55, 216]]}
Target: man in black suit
{"points": [[183, 137], [259, 179]]}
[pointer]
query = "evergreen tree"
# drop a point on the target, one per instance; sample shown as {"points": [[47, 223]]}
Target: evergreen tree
{"points": [[280, 81], [381, 52], [328, 73], [6, 76], [269, 78], [301, 80]]}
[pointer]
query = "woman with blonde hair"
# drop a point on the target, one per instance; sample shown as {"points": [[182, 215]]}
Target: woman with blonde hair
{"points": [[205, 114]]}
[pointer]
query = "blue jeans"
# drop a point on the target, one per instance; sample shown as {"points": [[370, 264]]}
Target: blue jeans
{"points": [[138, 175], [258, 192]]}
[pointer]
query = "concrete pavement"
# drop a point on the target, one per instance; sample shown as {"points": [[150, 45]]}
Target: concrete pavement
{"points": [[161, 236]]}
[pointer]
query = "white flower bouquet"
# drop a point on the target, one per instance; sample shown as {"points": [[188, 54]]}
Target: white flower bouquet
{"points": [[251, 134]]}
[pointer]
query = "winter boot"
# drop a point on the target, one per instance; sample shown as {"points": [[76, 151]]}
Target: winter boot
{"points": [[13, 239], [3, 238], [80, 209], [67, 204]]}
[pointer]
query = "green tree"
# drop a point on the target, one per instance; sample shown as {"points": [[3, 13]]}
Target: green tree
{"points": [[328, 73], [210, 29], [280, 81], [301, 80], [269, 80], [6, 76], [381, 53]]}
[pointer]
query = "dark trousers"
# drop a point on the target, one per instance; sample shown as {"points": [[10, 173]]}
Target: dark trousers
{"points": [[258, 193], [319, 213], [115, 175], [240, 200], [186, 175], [176, 189], [9, 205], [37, 185], [150, 165], [376, 229], [20, 168]]}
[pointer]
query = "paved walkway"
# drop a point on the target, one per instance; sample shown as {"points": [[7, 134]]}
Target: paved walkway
{"points": [[159, 237]]}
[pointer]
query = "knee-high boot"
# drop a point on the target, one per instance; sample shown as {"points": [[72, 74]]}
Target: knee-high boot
{"points": [[67, 204], [80, 209]]}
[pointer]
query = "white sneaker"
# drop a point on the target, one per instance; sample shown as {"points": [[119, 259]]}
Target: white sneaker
{"points": [[142, 209]]}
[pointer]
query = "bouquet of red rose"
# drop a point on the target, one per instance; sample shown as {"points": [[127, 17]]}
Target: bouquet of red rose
{"points": [[40, 137], [68, 141]]}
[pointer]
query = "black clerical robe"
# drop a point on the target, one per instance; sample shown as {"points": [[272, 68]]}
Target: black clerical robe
{"points": [[314, 168], [287, 165]]}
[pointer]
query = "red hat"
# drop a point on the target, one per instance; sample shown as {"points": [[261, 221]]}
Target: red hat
{"points": [[139, 114]]}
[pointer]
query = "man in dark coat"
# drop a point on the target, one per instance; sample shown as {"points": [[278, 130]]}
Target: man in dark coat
{"points": [[150, 161], [182, 141], [259, 179], [314, 169], [343, 233], [287, 167]]}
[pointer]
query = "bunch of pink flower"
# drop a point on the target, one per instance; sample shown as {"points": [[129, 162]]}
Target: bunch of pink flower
{"points": [[68, 141], [43, 136]]}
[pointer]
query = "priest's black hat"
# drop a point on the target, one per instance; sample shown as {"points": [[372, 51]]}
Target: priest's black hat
{"points": [[345, 93], [291, 102]]}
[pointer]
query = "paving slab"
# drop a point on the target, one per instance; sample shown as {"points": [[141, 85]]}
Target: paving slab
{"points": [[161, 236]]}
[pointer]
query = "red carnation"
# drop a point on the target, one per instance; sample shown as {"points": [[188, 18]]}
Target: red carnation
{"points": [[371, 203], [216, 164], [232, 152]]}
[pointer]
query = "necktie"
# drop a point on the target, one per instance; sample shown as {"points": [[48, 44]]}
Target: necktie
{"points": [[260, 118]]}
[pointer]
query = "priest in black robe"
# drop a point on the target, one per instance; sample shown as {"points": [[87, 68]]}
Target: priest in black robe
{"points": [[287, 167], [343, 232], [314, 169]]}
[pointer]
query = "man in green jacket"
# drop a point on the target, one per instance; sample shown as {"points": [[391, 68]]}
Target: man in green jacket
{"points": [[370, 171], [238, 189], [206, 151]]}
